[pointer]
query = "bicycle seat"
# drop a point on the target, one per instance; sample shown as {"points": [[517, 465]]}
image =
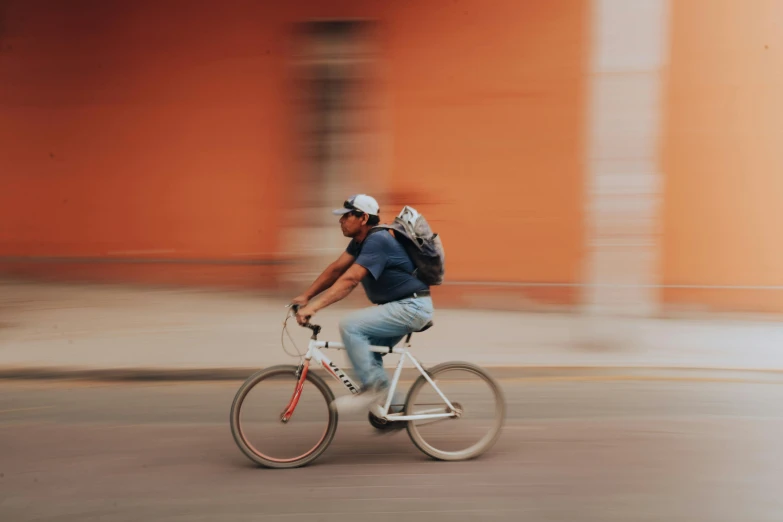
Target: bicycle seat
{"points": [[425, 327]]}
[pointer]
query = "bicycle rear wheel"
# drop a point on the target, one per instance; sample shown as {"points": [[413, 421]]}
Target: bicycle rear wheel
{"points": [[257, 425], [479, 400]]}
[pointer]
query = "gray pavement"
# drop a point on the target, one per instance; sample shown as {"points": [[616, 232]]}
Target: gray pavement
{"points": [[52, 327], [580, 450]]}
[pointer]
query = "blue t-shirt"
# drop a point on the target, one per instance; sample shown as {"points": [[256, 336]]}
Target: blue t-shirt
{"points": [[390, 269]]}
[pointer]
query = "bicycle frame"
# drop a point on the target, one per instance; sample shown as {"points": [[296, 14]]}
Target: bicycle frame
{"points": [[314, 352]]}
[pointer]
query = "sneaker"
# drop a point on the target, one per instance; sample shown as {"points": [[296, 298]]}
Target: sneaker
{"points": [[362, 401]]}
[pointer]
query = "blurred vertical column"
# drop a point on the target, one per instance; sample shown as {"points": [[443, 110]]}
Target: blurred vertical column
{"points": [[335, 141], [629, 42]]}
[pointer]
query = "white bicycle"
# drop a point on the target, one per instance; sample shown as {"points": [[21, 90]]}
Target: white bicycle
{"points": [[268, 432]]}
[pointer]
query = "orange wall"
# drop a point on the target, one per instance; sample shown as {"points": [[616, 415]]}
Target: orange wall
{"points": [[140, 127], [167, 128], [489, 117], [723, 198]]}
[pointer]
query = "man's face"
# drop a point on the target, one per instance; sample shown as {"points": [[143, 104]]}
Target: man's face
{"points": [[351, 224]]}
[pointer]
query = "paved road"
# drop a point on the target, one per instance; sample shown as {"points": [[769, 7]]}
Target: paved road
{"points": [[580, 450]]}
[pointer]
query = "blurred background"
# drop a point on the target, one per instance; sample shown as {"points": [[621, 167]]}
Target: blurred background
{"points": [[604, 156], [167, 171]]}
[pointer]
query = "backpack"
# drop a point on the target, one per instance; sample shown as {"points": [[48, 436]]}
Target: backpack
{"points": [[423, 246]]}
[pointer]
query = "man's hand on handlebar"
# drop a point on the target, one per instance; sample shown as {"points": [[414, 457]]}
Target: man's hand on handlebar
{"points": [[303, 314]]}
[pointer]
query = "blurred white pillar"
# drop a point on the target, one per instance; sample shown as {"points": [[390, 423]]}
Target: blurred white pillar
{"points": [[629, 54]]}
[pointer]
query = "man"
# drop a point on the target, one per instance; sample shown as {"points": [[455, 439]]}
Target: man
{"points": [[385, 270]]}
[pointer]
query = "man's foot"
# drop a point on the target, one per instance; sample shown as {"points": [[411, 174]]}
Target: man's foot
{"points": [[362, 401]]}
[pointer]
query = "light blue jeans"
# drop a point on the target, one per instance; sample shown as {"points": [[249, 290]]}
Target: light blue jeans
{"points": [[382, 325]]}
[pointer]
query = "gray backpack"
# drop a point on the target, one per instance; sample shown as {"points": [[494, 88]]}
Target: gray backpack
{"points": [[422, 245]]}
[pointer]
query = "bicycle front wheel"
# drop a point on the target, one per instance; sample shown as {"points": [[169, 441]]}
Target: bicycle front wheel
{"points": [[475, 395], [257, 418]]}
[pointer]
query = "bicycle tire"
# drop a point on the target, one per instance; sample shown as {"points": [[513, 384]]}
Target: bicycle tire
{"points": [[486, 442], [248, 449]]}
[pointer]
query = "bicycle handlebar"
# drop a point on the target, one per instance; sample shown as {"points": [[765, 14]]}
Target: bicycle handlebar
{"points": [[314, 327]]}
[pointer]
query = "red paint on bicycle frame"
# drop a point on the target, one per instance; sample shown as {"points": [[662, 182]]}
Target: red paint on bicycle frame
{"points": [[297, 393]]}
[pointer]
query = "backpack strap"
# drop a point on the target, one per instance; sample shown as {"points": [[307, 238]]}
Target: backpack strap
{"points": [[378, 228], [372, 231]]}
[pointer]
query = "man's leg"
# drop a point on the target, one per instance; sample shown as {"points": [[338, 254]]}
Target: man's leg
{"points": [[359, 331], [398, 401], [368, 326]]}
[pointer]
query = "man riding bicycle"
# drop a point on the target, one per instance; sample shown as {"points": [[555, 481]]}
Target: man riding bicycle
{"points": [[403, 302]]}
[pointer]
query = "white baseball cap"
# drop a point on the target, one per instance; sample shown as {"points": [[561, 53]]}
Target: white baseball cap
{"points": [[360, 202]]}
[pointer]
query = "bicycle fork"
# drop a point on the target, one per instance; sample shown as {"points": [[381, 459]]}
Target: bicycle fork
{"points": [[289, 411]]}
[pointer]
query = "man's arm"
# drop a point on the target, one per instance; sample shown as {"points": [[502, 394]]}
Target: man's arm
{"points": [[327, 278], [341, 288]]}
